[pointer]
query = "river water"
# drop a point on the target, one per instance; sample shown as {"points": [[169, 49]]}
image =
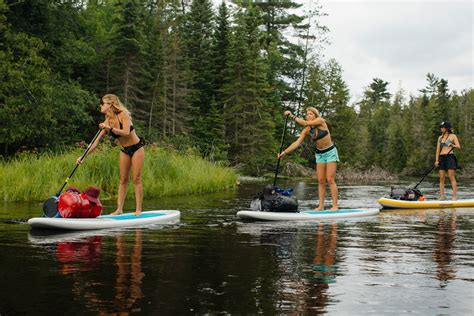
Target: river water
{"points": [[397, 262]]}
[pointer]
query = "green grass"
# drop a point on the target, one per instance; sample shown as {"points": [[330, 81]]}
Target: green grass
{"points": [[31, 177]]}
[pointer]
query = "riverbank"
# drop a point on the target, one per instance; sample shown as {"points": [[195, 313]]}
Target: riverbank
{"points": [[343, 173], [32, 177], [349, 174]]}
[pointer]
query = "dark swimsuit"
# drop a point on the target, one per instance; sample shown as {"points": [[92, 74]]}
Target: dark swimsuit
{"points": [[129, 150], [320, 134], [447, 161], [121, 126], [446, 143]]}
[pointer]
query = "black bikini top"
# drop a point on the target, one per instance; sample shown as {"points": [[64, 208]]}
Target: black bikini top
{"points": [[117, 136], [321, 133]]}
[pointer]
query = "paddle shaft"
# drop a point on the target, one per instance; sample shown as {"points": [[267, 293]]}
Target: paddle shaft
{"points": [[281, 148], [431, 169], [77, 164]]}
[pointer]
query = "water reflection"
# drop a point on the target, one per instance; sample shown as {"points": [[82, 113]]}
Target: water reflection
{"points": [[325, 259], [313, 246], [399, 262], [324, 268], [129, 275], [75, 256], [128, 279], [443, 248], [80, 256]]}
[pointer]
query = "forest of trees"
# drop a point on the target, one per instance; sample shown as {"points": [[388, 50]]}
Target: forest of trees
{"points": [[213, 78]]}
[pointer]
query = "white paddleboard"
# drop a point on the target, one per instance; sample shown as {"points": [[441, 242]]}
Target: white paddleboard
{"points": [[106, 221], [392, 203], [307, 215]]}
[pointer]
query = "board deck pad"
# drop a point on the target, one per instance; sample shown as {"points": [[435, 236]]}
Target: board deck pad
{"points": [[130, 216], [345, 211]]}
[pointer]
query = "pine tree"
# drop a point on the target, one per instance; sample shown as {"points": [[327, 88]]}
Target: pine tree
{"points": [[175, 114], [127, 59], [315, 90], [214, 147], [464, 126], [418, 139], [277, 18], [220, 50], [393, 152], [287, 60], [442, 99], [249, 126], [327, 91], [431, 86], [98, 33], [156, 15], [375, 115], [199, 27], [214, 126]]}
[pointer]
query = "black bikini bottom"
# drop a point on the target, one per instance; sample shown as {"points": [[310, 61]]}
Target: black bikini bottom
{"points": [[130, 150]]}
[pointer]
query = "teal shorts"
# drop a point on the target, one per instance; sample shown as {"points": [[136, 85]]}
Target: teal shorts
{"points": [[329, 156]]}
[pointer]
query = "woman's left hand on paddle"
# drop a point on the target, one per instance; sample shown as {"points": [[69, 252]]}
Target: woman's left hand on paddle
{"points": [[104, 126]]}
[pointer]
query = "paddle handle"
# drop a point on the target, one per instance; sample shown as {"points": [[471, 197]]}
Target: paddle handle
{"points": [[429, 171], [77, 163], [281, 148]]}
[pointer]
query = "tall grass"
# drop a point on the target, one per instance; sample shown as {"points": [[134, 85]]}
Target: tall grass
{"points": [[30, 177]]}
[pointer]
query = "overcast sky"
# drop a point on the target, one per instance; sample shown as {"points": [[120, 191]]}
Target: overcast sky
{"points": [[400, 41]]}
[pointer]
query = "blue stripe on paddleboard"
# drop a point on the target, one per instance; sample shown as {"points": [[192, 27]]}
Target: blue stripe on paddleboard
{"points": [[331, 212], [131, 216]]}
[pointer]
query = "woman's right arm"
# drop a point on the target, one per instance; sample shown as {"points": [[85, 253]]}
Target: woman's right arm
{"points": [[97, 140], [295, 144], [93, 145]]}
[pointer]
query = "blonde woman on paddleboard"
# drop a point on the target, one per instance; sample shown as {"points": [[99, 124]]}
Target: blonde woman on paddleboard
{"points": [[327, 156], [118, 124]]}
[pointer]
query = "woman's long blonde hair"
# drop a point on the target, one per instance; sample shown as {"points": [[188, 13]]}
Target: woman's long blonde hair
{"points": [[117, 105], [314, 110]]}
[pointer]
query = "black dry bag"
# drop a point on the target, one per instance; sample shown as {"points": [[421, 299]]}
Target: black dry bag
{"points": [[405, 194], [277, 203]]}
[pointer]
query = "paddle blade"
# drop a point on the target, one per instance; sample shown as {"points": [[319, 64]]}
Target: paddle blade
{"points": [[50, 207]]}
